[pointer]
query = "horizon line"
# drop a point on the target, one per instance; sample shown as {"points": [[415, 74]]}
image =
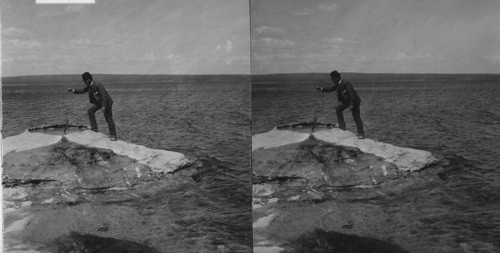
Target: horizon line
{"points": [[386, 73], [129, 75], [280, 73]]}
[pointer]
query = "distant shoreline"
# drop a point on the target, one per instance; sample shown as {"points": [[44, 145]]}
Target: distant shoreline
{"points": [[267, 78], [234, 82], [113, 78], [371, 77]]}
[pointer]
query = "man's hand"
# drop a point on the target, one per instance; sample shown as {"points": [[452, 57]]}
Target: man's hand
{"points": [[351, 107], [104, 109], [71, 90]]}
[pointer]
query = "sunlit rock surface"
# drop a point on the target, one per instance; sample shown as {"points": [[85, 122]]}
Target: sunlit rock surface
{"points": [[309, 189], [60, 191], [403, 158], [27, 141], [158, 160], [277, 138]]}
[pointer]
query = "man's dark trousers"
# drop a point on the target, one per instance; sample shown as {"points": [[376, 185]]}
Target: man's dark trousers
{"points": [[356, 114], [108, 115]]}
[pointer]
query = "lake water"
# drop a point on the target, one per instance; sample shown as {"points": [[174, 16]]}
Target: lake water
{"points": [[206, 121], [454, 119]]}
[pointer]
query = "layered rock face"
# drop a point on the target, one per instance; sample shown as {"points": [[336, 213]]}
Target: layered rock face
{"points": [[44, 173], [303, 182]]}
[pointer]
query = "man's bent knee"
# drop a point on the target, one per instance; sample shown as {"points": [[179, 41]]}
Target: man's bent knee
{"points": [[92, 110]]}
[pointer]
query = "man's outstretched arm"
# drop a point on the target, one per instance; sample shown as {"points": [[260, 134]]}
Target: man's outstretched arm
{"points": [[328, 89], [79, 91]]}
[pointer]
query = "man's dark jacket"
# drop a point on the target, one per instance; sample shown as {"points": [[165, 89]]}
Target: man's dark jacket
{"points": [[97, 95], [345, 93]]}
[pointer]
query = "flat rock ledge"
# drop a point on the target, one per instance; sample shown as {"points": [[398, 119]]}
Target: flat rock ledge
{"points": [[406, 159], [158, 160]]}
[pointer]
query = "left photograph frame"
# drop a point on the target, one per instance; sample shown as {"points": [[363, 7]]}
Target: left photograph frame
{"points": [[126, 126]]}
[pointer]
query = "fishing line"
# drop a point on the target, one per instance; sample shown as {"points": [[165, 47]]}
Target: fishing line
{"points": [[66, 118], [306, 67], [58, 69], [366, 126], [106, 115], [317, 109]]}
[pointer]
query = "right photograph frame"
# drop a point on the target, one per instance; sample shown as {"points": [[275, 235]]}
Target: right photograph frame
{"points": [[364, 134]]}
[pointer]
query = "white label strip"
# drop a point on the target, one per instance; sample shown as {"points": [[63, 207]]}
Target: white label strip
{"points": [[65, 1]]}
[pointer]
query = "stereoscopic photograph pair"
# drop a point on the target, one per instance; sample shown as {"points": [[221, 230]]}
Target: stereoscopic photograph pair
{"points": [[265, 126]]}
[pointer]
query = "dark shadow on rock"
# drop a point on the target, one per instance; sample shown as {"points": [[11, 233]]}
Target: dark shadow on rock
{"points": [[73, 166], [83, 243], [320, 163], [323, 241]]}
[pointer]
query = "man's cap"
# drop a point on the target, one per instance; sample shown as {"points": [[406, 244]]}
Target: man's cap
{"points": [[86, 76], [334, 74]]}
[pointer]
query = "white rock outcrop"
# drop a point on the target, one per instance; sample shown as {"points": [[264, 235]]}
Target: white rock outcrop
{"points": [[406, 159], [27, 140], [158, 160], [276, 138]]}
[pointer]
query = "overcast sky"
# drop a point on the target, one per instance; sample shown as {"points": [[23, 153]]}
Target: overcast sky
{"points": [[126, 37], [213, 36], [389, 36]]}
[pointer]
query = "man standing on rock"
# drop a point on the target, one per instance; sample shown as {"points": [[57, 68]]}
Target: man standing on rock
{"points": [[348, 98], [99, 98]]}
